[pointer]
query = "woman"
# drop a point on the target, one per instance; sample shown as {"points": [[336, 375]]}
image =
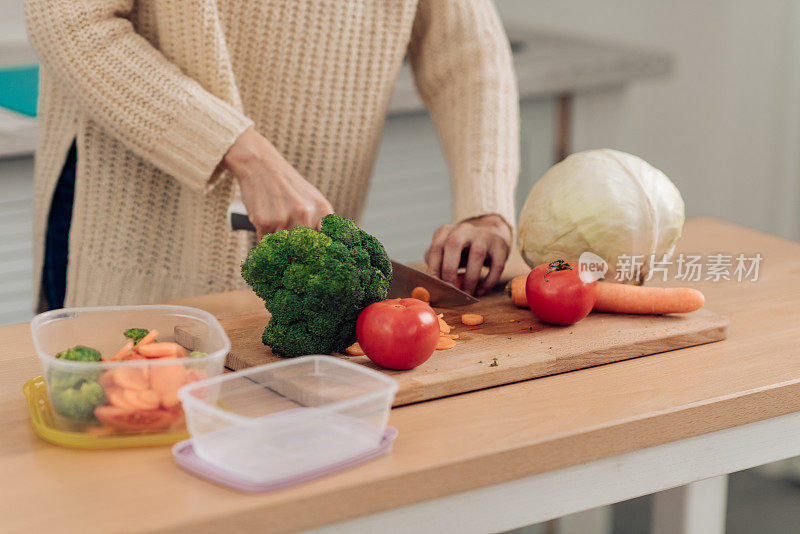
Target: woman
{"points": [[174, 108]]}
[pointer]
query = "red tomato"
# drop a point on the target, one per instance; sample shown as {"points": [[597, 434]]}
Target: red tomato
{"points": [[398, 333], [135, 420], [557, 295]]}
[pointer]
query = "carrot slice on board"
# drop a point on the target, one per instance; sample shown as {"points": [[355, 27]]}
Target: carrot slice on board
{"points": [[471, 319], [445, 343], [444, 328], [355, 350], [420, 293]]}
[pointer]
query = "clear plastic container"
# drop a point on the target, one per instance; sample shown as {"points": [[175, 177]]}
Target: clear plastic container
{"points": [[124, 398], [282, 419]]}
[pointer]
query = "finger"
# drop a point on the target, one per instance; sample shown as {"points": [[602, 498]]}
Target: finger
{"points": [[433, 256], [451, 256], [302, 215], [498, 253], [477, 254], [323, 208], [268, 223]]}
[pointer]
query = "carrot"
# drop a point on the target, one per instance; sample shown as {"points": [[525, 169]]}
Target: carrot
{"points": [[421, 293], [123, 351], [444, 328], [149, 338], [516, 291], [445, 343], [116, 398], [623, 298], [471, 319], [142, 400], [130, 378], [166, 349], [166, 380], [355, 350], [451, 336]]}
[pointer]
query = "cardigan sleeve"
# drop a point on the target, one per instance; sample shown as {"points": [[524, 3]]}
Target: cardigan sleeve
{"points": [[128, 87], [462, 66]]}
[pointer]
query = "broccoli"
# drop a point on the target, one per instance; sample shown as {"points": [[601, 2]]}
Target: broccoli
{"points": [[78, 402], [136, 334], [316, 283], [79, 353]]}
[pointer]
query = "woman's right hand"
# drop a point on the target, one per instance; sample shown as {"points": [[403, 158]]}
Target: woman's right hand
{"points": [[274, 193]]}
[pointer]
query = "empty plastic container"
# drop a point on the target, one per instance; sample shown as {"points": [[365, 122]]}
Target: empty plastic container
{"points": [[283, 419]]}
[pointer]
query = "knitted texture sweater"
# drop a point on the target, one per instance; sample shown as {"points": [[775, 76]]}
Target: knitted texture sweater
{"points": [[155, 92]]}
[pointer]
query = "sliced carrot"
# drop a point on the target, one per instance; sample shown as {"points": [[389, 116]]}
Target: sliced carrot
{"points": [[167, 349], [516, 290], [445, 343], [624, 298], [142, 400], [451, 336], [106, 380], [166, 380], [130, 378], [123, 351], [421, 293], [194, 375], [116, 398], [444, 328], [149, 338], [355, 350], [471, 319]]}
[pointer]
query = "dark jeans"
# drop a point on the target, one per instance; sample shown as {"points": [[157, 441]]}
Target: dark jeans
{"points": [[56, 252]]}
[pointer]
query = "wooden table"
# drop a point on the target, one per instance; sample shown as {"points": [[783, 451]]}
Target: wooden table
{"points": [[479, 462]]}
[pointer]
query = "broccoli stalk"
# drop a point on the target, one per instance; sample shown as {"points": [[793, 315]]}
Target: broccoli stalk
{"points": [[316, 283]]}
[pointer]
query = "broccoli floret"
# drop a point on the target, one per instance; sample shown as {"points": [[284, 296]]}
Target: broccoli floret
{"points": [[80, 401], [136, 334], [316, 283], [79, 353]]}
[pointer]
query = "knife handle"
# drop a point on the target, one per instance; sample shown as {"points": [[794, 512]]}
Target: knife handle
{"points": [[237, 217]]}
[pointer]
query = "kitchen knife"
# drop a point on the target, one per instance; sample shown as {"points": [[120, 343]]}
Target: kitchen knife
{"points": [[404, 278]]}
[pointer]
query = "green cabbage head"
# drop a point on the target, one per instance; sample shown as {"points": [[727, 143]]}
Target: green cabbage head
{"points": [[601, 201]]}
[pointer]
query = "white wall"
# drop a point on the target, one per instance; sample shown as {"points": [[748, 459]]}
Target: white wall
{"points": [[726, 126]]}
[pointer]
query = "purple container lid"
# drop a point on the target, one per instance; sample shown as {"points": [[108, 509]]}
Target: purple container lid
{"points": [[187, 458]]}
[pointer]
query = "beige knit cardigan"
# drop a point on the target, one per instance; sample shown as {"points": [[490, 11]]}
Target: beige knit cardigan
{"points": [[156, 91]]}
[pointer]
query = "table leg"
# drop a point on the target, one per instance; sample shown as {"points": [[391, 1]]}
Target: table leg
{"points": [[696, 508]]}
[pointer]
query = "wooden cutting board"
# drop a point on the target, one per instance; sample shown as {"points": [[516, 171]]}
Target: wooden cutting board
{"points": [[522, 347]]}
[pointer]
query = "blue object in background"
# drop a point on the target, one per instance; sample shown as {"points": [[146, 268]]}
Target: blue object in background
{"points": [[19, 88]]}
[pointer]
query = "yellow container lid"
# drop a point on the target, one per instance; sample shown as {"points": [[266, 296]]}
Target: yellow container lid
{"points": [[35, 391]]}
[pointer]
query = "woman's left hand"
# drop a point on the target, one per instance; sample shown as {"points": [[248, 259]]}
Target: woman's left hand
{"points": [[484, 240]]}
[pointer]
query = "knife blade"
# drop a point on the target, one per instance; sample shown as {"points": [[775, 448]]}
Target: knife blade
{"points": [[404, 278]]}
